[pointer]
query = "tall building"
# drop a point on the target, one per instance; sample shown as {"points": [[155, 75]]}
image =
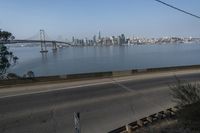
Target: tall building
{"points": [[119, 40], [123, 39], [99, 35], [86, 41], [95, 39]]}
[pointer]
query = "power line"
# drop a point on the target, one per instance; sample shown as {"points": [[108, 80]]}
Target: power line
{"points": [[191, 14]]}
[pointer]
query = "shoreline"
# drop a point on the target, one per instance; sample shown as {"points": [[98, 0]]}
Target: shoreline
{"points": [[103, 45]]}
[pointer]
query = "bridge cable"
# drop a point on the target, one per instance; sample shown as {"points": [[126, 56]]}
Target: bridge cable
{"points": [[34, 37], [48, 37], [176, 8]]}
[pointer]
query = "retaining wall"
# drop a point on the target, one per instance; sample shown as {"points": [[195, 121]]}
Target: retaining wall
{"points": [[72, 77]]}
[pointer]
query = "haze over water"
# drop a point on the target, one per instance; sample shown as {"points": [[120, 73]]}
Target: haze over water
{"points": [[73, 60]]}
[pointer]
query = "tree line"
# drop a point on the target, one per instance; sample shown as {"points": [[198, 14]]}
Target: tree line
{"points": [[5, 35]]}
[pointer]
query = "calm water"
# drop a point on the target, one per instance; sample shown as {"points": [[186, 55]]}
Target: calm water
{"points": [[73, 60]]}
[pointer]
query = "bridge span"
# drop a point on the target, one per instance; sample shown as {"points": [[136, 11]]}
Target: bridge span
{"points": [[32, 41], [43, 43]]}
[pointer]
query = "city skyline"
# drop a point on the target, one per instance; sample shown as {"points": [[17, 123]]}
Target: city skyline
{"points": [[85, 18], [122, 39]]}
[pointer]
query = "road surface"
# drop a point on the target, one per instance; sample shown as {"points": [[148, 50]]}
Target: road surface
{"points": [[104, 104]]}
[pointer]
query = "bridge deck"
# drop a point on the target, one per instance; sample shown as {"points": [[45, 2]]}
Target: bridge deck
{"points": [[32, 41]]}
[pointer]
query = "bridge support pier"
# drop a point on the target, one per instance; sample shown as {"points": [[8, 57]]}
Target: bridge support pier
{"points": [[43, 48], [54, 47]]}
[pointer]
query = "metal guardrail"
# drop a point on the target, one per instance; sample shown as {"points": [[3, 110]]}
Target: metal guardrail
{"points": [[168, 113]]}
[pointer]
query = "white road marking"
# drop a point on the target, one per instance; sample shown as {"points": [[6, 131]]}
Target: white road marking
{"points": [[121, 85]]}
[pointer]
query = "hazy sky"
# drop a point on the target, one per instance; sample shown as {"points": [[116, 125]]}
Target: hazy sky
{"points": [[84, 18]]}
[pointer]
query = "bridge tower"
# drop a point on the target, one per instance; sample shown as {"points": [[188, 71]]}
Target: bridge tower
{"points": [[43, 42]]}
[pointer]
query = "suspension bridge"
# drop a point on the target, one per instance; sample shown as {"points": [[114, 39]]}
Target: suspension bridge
{"points": [[42, 39]]}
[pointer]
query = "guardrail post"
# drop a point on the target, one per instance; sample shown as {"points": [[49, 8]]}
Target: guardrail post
{"points": [[128, 129], [77, 122]]}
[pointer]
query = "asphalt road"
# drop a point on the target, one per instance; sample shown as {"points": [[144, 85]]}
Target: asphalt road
{"points": [[102, 107]]}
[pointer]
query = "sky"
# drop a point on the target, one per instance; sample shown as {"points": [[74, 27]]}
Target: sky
{"points": [[84, 18]]}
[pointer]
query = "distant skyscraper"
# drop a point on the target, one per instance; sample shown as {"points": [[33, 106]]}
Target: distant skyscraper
{"points": [[123, 39], [95, 39], [119, 40], [99, 35], [86, 41]]}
